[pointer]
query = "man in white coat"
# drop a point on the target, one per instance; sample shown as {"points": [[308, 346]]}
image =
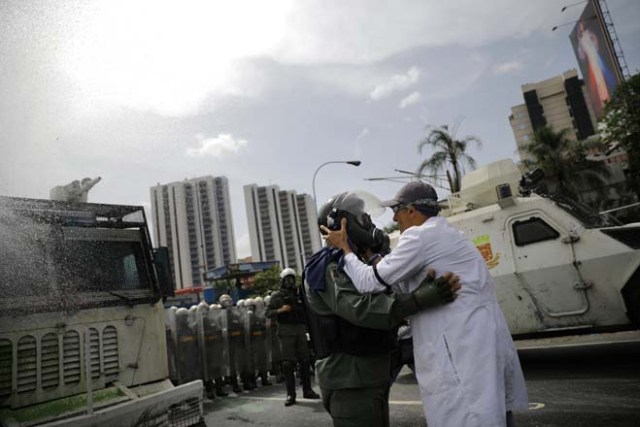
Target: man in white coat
{"points": [[466, 364]]}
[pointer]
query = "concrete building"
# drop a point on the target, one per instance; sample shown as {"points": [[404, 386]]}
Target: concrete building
{"points": [[558, 102], [282, 225], [193, 219]]}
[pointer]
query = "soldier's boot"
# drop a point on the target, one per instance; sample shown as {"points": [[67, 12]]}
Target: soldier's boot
{"points": [[305, 378], [220, 388], [210, 389], [290, 382], [246, 382], [234, 384], [264, 379]]}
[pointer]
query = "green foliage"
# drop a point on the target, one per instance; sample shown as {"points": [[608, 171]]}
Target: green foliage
{"points": [[266, 281], [449, 156], [621, 126], [390, 228], [564, 163]]}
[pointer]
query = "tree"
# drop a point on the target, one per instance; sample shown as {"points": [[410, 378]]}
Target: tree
{"points": [[564, 162], [449, 155], [620, 126], [268, 280]]}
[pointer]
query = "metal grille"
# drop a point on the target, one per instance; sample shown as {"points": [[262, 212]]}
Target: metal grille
{"points": [[71, 357], [27, 364], [50, 361], [6, 363], [110, 351], [94, 345], [186, 413]]}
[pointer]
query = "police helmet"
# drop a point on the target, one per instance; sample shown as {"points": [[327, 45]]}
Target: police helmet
{"points": [[225, 301]]}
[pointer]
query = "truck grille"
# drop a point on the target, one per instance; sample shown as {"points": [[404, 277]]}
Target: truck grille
{"points": [[54, 362], [27, 364], [71, 357], [110, 351], [50, 361], [6, 364]]}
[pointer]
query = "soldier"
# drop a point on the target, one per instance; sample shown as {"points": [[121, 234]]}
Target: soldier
{"points": [[235, 330], [287, 307], [276, 351], [214, 347], [258, 334]]}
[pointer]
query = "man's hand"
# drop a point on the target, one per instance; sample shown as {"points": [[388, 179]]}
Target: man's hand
{"points": [[284, 309], [337, 238], [432, 293]]}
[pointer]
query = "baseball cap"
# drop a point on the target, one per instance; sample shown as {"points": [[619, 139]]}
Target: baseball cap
{"points": [[414, 193]]}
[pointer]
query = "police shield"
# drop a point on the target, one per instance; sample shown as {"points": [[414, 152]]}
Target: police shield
{"points": [[235, 327], [170, 334], [260, 340], [188, 360], [216, 340]]}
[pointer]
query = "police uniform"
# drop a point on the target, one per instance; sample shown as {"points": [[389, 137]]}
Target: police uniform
{"points": [[292, 332]]}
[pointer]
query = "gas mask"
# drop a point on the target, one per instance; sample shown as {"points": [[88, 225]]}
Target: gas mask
{"points": [[361, 230]]}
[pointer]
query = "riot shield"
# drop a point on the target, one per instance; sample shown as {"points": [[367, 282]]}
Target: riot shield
{"points": [[247, 319], [188, 359], [235, 325], [215, 337], [260, 340], [171, 335]]}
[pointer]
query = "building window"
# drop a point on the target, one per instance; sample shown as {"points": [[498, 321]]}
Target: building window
{"points": [[533, 230]]}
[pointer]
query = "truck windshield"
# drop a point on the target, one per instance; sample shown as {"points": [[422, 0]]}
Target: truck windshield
{"points": [[588, 217], [51, 267]]}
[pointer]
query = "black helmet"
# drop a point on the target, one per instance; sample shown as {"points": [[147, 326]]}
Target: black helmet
{"points": [[361, 231]]}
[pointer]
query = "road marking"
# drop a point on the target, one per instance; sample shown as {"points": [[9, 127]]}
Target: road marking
{"points": [[533, 406], [391, 402]]}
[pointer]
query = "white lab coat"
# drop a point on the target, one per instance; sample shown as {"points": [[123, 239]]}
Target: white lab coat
{"points": [[466, 364]]}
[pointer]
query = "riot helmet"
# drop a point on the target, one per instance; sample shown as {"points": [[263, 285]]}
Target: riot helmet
{"points": [[225, 301], [361, 230], [288, 279]]}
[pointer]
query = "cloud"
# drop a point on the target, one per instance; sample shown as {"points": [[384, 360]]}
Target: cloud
{"points": [[363, 133], [217, 147], [396, 83], [411, 99], [508, 67]]}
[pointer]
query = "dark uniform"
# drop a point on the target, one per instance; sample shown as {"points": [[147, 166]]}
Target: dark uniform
{"points": [[235, 328], [292, 332], [258, 342], [214, 352]]}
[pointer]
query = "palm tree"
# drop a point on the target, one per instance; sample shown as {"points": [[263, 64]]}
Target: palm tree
{"points": [[449, 154], [564, 162]]}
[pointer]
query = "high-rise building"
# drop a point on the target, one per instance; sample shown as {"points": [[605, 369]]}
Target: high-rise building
{"points": [[193, 219], [282, 225], [558, 102]]}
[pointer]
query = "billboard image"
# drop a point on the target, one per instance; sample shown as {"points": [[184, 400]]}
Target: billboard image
{"points": [[596, 56]]}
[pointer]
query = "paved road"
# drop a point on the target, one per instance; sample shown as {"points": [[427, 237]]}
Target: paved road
{"points": [[575, 386]]}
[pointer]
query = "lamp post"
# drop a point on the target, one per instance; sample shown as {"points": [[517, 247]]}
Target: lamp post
{"points": [[348, 162]]}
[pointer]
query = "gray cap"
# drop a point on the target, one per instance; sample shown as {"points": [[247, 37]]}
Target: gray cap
{"points": [[414, 193]]}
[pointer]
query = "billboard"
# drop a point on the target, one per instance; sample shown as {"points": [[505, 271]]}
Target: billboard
{"points": [[595, 53]]}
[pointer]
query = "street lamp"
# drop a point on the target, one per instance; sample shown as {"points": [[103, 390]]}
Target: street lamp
{"points": [[349, 162]]}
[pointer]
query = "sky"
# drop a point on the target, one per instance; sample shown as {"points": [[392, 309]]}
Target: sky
{"points": [[264, 92]]}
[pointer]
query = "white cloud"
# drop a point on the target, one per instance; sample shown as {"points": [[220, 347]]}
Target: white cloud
{"points": [[243, 246], [217, 147], [411, 99], [508, 67], [396, 83], [363, 133]]}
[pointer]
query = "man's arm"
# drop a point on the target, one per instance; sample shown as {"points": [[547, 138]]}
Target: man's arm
{"points": [[404, 261], [380, 311]]}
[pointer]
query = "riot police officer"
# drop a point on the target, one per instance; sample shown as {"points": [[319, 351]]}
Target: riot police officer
{"points": [[258, 340], [235, 328], [286, 306]]}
